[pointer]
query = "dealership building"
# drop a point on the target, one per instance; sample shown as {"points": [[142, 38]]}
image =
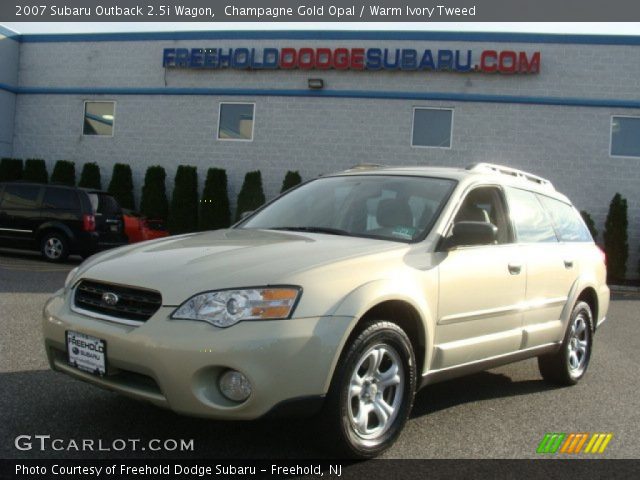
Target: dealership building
{"points": [[565, 107]]}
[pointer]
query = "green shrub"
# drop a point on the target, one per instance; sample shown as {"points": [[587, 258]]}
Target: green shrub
{"points": [[121, 185], [251, 194], [214, 206], [35, 170], [183, 214], [616, 243], [10, 169], [154, 203], [591, 225], [291, 179], [90, 176], [64, 172]]}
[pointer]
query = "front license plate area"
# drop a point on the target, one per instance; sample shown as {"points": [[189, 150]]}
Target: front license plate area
{"points": [[87, 353]]}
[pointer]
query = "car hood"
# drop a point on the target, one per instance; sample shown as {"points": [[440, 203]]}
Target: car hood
{"points": [[182, 266]]}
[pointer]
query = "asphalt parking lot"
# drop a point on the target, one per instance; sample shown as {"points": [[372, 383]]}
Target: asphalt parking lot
{"points": [[502, 413]]}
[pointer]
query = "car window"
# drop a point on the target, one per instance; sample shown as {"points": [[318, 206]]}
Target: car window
{"points": [[486, 204], [20, 196], [104, 204], [566, 220], [60, 198], [531, 221], [388, 207]]}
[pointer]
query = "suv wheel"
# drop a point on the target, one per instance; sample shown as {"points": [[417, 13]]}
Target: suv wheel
{"points": [[569, 364], [54, 246], [372, 392]]}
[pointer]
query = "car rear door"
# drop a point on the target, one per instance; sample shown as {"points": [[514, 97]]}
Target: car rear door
{"points": [[109, 221], [550, 273]]}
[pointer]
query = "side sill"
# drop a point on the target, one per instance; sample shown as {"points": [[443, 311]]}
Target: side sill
{"points": [[435, 376]]}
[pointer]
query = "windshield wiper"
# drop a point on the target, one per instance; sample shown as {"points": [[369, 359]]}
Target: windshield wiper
{"points": [[328, 230]]}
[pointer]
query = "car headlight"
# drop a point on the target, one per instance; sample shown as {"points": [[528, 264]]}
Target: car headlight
{"points": [[224, 308], [70, 276]]}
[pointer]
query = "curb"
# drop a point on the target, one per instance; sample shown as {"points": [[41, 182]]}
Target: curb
{"points": [[623, 288]]}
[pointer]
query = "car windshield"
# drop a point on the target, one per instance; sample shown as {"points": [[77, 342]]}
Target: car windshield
{"points": [[399, 208]]}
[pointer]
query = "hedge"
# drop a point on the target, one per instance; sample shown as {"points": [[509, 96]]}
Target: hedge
{"points": [[251, 194], [121, 185], [90, 176], [154, 203], [183, 215], [64, 172], [214, 206], [616, 243], [35, 170], [10, 169], [591, 225], [291, 179]]}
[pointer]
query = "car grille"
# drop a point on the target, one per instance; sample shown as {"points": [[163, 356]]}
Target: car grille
{"points": [[130, 303]]}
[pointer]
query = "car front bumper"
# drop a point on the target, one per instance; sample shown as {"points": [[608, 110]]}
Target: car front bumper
{"points": [[176, 364]]}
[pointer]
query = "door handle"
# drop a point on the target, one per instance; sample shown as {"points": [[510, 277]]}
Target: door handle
{"points": [[515, 268], [568, 264]]}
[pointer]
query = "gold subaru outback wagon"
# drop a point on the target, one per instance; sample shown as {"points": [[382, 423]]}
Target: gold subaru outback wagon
{"points": [[340, 299]]}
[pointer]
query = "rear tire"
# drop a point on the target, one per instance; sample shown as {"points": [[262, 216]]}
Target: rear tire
{"points": [[371, 394], [569, 364], [54, 246]]}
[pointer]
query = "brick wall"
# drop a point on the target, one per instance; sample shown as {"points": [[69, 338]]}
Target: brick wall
{"points": [[9, 50], [569, 145]]}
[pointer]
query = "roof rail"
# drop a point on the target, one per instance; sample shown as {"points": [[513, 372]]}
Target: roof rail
{"points": [[494, 168], [366, 166]]}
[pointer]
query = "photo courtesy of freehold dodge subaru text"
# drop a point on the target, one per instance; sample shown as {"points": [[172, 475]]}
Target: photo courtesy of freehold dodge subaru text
{"points": [[287, 239]]}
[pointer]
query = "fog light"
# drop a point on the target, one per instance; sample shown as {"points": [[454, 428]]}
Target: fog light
{"points": [[235, 386]]}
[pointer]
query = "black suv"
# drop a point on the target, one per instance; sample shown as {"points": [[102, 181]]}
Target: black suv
{"points": [[59, 220]]}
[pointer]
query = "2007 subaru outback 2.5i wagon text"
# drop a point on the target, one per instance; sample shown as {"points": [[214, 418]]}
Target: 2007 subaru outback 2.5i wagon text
{"points": [[341, 298]]}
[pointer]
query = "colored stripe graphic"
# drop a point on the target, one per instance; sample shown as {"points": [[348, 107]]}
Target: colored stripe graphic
{"points": [[551, 442], [573, 443], [598, 442]]}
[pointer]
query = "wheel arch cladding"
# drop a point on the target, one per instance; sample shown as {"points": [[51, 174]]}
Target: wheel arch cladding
{"points": [[406, 317], [589, 295]]}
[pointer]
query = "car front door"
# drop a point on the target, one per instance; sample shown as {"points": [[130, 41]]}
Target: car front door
{"points": [[20, 213], [481, 288]]}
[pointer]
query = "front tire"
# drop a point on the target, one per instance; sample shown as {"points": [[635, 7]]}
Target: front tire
{"points": [[569, 364], [54, 246], [372, 392]]}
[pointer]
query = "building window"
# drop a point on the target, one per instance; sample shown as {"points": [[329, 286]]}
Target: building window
{"points": [[625, 136], [99, 118], [235, 121], [432, 127]]}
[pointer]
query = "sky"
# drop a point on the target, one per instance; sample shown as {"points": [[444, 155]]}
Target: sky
{"points": [[553, 27]]}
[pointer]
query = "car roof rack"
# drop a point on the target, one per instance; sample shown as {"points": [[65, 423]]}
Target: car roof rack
{"points": [[366, 166], [514, 172]]}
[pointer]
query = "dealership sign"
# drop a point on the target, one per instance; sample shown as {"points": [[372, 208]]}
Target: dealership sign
{"points": [[463, 61]]}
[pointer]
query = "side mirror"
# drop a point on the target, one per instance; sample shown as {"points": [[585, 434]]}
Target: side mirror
{"points": [[244, 215], [473, 233]]}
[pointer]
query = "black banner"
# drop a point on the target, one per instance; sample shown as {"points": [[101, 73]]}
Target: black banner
{"points": [[327, 470], [320, 11]]}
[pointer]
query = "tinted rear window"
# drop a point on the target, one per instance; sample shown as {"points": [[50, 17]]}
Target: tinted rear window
{"points": [[566, 220], [60, 198], [104, 204], [20, 196]]}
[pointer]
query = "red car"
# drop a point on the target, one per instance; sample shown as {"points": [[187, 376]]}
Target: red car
{"points": [[139, 228]]}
